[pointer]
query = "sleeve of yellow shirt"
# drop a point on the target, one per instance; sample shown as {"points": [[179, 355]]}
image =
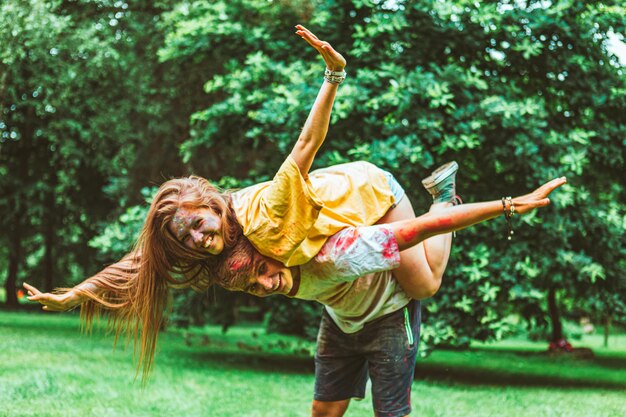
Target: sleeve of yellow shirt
{"points": [[276, 216], [290, 218]]}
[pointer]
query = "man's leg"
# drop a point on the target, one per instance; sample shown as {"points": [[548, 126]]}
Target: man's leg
{"points": [[391, 355], [329, 408], [340, 370]]}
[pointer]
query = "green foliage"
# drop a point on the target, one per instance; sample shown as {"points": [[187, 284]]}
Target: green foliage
{"points": [[518, 93], [99, 100], [295, 317], [80, 103], [115, 240]]}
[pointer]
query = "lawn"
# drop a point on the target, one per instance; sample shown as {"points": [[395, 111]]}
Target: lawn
{"points": [[47, 368]]}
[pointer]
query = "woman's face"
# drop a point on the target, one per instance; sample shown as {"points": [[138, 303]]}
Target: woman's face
{"points": [[199, 229]]}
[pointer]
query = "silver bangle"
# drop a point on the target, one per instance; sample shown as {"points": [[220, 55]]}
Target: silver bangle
{"points": [[334, 77]]}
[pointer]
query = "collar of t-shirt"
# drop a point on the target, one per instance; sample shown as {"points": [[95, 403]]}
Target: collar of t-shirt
{"points": [[295, 273]]}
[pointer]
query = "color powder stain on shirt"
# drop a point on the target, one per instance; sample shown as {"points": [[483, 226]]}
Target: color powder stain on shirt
{"points": [[322, 251], [389, 245], [346, 240]]}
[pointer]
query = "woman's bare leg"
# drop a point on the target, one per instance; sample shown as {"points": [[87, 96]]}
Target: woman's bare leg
{"points": [[421, 267]]}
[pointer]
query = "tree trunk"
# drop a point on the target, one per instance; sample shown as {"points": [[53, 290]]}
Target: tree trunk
{"points": [[607, 329], [555, 318], [48, 232], [558, 343], [15, 255]]}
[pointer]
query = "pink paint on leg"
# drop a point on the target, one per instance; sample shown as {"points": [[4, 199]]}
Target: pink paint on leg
{"points": [[444, 223], [408, 234]]}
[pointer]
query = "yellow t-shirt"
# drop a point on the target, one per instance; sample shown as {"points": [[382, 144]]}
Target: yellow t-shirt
{"points": [[290, 217]]}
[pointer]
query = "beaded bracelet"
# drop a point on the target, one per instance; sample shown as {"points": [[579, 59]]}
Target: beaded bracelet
{"points": [[508, 214], [334, 77]]}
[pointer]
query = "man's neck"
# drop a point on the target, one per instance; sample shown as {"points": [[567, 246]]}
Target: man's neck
{"points": [[295, 275]]}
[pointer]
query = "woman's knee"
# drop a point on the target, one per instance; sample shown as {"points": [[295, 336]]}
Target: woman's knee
{"points": [[416, 278], [421, 291]]}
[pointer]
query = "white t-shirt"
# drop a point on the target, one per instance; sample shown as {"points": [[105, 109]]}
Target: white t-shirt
{"points": [[351, 275]]}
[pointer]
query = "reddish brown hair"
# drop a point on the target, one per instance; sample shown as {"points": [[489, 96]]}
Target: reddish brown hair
{"points": [[136, 287]]}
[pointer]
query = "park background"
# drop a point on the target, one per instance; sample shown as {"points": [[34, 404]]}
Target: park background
{"points": [[101, 101]]}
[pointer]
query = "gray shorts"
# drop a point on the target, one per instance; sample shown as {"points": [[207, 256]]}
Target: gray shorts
{"points": [[385, 350], [396, 188]]}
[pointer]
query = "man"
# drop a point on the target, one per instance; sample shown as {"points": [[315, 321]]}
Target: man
{"points": [[370, 325]]}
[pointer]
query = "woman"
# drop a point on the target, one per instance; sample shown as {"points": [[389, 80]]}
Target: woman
{"points": [[173, 251]]}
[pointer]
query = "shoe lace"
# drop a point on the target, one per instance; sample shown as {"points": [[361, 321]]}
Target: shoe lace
{"points": [[456, 200]]}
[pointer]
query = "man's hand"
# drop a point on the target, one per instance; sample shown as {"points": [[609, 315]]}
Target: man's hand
{"points": [[334, 60], [54, 302]]}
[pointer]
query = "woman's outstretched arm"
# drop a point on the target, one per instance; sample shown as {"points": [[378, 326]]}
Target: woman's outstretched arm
{"points": [[316, 126], [410, 232], [60, 302], [109, 288]]}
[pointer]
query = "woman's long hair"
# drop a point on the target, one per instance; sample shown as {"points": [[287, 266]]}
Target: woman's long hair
{"points": [[136, 287]]}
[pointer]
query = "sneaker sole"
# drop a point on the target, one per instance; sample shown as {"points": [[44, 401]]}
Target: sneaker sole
{"points": [[440, 174]]}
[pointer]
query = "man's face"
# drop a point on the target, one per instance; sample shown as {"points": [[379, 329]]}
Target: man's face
{"points": [[268, 277], [198, 228]]}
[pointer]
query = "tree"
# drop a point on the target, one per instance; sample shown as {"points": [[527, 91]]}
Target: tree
{"points": [[113, 97], [518, 92], [85, 100]]}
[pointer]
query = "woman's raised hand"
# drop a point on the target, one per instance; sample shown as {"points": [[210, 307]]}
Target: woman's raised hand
{"points": [[537, 198], [53, 302], [334, 60]]}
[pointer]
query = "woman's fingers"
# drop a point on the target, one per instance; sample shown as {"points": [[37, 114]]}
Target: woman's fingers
{"points": [[314, 43], [550, 186], [543, 202], [306, 31], [309, 37], [539, 197], [31, 290], [50, 302], [38, 296], [557, 182], [333, 59], [34, 293]]}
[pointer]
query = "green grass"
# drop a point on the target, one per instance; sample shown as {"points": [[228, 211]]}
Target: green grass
{"points": [[47, 368]]}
